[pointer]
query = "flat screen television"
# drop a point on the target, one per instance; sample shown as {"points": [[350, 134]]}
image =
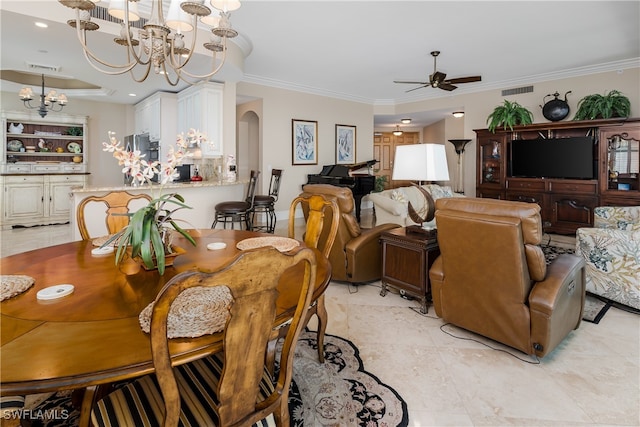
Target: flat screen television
{"points": [[570, 158]]}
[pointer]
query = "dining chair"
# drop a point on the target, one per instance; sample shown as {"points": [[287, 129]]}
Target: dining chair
{"points": [[117, 203], [265, 203], [230, 388], [319, 207], [240, 210]]}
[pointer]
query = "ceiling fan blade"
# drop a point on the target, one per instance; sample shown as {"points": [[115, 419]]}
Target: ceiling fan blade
{"points": [[438, 77], [412, 83], [469, 79], [447, 86], [419, 87]]}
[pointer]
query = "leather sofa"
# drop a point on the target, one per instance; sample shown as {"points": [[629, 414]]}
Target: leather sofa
{"points": [[611, 250], [356, 256], [391, 205], [491, 277]]}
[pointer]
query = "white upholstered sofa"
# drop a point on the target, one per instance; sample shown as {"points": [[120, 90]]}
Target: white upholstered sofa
{"points": [[391, 205]]}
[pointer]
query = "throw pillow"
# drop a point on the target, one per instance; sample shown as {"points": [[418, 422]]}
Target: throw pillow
{"points": [[398, 195]]}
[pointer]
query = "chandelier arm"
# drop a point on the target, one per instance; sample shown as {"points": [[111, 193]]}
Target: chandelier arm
{"points": [[166, 75], [146, 73], [214, 69], [89, 55]]}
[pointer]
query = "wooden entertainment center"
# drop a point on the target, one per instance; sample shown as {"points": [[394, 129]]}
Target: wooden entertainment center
{"points": [[566, 204]]}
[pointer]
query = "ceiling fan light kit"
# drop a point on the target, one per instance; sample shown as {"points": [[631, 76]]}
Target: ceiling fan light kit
{"points": [[160, 45], [438, 79]]}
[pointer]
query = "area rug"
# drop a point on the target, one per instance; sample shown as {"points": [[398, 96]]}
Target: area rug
{"points": [[594, 309], [337, 393]]}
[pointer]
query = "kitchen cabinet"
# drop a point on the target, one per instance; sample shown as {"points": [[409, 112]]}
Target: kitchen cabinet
{"points": [[156, 115], [29, 200], [201, 107]]}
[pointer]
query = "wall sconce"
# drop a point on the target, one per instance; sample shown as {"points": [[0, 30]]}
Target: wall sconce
{"points": [[397, 132], [458, 114]]}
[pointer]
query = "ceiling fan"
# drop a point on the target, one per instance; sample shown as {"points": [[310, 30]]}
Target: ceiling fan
{"points": [[437, 79]]}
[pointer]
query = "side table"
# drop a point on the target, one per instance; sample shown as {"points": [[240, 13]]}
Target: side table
{"points": [[406, 259]]}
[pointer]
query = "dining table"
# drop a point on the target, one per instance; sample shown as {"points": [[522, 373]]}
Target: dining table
{"points": [[92, 337]]}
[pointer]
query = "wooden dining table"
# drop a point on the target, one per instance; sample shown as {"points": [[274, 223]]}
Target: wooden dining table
{"points": [[93, 336]]}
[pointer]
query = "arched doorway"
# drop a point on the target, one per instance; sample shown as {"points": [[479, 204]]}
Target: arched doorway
{"points": [[248, 145]]}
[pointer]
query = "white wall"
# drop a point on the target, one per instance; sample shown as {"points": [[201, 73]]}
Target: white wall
{"points": [[278, 108]]}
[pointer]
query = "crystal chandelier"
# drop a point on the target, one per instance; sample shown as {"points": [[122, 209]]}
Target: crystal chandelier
{"points": [[161, 43], [50, 102]]}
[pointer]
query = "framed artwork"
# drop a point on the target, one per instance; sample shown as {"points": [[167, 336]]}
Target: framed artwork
{"points": [[305, 142], [345, 145]]}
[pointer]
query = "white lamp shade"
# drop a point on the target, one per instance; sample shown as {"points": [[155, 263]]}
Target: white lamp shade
{"points": [[226, 5], [420, 162], [212, 20], [116, 9], [178, 19]]}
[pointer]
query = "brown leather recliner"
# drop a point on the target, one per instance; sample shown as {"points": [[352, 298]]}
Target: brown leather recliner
{"points": [[491, 277], [356, 256]]}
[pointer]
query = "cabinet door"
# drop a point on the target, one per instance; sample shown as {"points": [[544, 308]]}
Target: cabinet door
{"points": [[60, 197], [24, 200], [143, 117], [212, 121], [568, 212], [491, 161], [620, 163], [154, 119]]}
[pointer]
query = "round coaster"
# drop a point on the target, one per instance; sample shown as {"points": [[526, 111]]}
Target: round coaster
{"points": [[54, 292], [216, 246]]}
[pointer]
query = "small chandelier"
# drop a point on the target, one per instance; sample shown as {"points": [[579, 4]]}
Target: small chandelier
{"points": [[397, 132], [160, 44], [51, 102]]}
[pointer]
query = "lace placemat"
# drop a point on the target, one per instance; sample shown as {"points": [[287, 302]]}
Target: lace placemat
{"points": [[283, 244], [12, 285], [195, 312]]}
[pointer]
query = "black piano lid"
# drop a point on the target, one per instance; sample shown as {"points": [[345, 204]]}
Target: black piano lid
{"points": [[335, 170]]}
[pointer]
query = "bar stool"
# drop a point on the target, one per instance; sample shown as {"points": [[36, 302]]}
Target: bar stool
{"points": [[237, 211], [265, 203]]}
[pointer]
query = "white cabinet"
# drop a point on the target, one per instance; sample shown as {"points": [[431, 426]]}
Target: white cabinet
{"points": [[201, 107], [37, 199], [156, 115]]}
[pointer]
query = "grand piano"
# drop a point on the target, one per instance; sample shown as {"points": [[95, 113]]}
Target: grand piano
{"points": [[346, 176]]}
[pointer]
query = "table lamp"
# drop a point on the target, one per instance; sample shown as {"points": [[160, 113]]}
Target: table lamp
{"points": [[422, 163]]}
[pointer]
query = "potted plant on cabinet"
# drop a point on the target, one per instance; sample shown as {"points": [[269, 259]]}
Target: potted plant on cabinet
{"points": [[596, 106], [509, 115]]}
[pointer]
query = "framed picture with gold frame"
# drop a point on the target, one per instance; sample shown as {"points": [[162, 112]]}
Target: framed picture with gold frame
{"points": [[304, 142]]}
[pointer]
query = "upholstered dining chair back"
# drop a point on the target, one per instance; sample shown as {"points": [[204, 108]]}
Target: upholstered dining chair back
{"points": [[491, 277], [117, 206], [237, 387], [356, 256]]}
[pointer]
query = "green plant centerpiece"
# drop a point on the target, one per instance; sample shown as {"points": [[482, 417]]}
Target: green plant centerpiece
{"points": [[148, 235], [509, 115], [596, 106]]}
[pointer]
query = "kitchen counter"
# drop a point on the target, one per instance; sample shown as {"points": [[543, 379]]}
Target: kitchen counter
{"points": [[201, 196]]}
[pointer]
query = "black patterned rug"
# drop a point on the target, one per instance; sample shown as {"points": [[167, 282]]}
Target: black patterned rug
{"points": [[337, 393]]}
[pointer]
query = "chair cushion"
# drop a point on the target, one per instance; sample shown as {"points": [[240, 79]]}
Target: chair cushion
{"points": [[140, 402], [232, 207]]}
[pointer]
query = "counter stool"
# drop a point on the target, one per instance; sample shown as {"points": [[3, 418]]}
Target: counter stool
{"points": [[265, 203], [237, 211]]}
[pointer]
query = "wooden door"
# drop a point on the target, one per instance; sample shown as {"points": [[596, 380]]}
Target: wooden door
{"points": [[384, 149]]}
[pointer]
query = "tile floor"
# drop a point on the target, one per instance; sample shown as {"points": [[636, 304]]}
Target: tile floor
{"points": [[591, 379]]}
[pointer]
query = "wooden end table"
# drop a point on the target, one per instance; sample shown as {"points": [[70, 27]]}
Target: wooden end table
{"points": [[406, 259]]}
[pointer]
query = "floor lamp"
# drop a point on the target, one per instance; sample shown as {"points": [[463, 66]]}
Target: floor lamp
{"points": [[459, 183], [421, 163]]}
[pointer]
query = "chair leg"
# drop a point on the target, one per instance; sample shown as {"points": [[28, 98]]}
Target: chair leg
{"points": [[321, 312]]}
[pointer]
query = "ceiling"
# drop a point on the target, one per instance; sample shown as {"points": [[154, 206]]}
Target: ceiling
{"points": [[355, 50]]}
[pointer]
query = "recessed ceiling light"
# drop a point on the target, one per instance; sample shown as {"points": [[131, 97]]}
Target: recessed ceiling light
{"points": [[41, 25], [132, 94]]}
